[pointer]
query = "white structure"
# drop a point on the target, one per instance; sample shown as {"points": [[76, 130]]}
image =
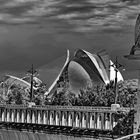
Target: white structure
{"points": [[86, 68]]}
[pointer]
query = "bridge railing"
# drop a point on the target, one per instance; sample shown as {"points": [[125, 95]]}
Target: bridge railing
{"points": [[101, 118]]}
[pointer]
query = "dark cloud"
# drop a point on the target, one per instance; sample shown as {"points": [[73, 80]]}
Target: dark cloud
{"points": [[40, 31], [94, 13]]}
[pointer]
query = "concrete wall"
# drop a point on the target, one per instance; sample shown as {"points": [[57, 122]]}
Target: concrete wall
{"points": [[17, 135]]}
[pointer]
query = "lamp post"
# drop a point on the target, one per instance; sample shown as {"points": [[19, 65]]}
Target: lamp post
{"points": [[32, 72], [116, 66]]}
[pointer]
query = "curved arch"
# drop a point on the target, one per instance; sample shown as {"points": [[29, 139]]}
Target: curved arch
{"points": [[28, 78], [99, 66], [16, 80], [55, 81]]}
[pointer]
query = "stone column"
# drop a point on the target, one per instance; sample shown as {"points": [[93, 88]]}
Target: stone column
{"points": [[69, 119], [18, 116], [87, 120], [77, 119], [13, 115], [111, 122], [73, 119], [22, 116], [33, 116], [39, 117], [63, 118], [28, 117], [51, 117], [57, 118], [103, 121], [8, 115], [3, 115]]}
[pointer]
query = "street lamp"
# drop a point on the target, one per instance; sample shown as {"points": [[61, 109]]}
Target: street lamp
{"points": [[116, 67], [32, 73]]}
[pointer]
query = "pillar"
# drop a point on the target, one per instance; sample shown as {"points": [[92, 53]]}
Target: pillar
{"points": [[44, 117], [33, 116], [73, 119], [83, 120], [87, 120], [77, 119], [51, 118], [28, 117], [103, 121], [18, 116], [98, 121], [107, 121], [92, 120], [57, 118], [111, 122], [8, 115], [69, 119], [13, 116], [3, 115], [39, 117], [0, 114], [22, 116]]}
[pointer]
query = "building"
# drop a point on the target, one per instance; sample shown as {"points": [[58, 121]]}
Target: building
{"points": [[84, 69]]}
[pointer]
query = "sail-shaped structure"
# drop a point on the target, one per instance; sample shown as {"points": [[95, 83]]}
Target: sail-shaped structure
{"points": [[59, 75], [137, 32], [86, 69], [37, 81], [11, 80], [136, 46]]}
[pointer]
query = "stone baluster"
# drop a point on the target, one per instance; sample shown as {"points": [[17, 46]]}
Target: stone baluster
{"points": [[28, 117], [18, 116], [102, 121], [44, 117], [57, 118], [22, 116], [33, 117], [77, 119], [73, 119], [111, 122], [8, 115], [3, 115], [95, 122], [87, 120], [13, 116], [84, 120], [63, 119], [39, 117], [51, 117], [69, 119]]}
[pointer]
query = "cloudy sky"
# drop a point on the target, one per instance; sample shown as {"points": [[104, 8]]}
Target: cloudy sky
{"points": [[40, 31]]}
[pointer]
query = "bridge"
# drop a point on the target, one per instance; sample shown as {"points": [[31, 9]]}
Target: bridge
{"points": [[67, 120]]}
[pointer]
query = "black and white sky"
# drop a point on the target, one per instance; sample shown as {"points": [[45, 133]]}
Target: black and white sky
{"points": [[40, 31]]}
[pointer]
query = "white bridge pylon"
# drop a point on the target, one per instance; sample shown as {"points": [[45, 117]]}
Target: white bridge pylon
{"points": [[128, 136]]}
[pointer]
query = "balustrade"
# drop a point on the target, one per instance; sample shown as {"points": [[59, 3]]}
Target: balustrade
{"points": [[79, 117]]}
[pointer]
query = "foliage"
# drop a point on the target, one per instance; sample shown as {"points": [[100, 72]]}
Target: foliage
{"points": [[125, 124], [17, 95], [21, 95], [98, 96], [91, 96]]}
